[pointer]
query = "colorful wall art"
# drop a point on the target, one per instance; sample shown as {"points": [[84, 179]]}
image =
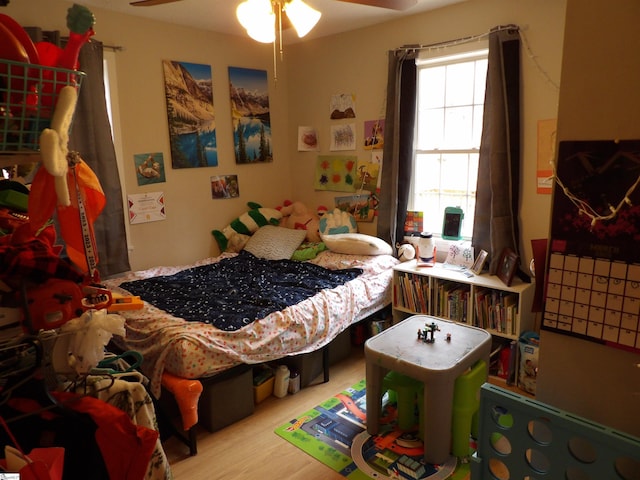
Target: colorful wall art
{"points": [[336, 173], [190, 113], [149, 168], [361, 206], [250, 115], [374, 134]]}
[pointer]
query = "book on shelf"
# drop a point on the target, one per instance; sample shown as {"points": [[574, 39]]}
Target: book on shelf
{"points": [[510, 302], [496, 310], [412, 292], [414, 221]]}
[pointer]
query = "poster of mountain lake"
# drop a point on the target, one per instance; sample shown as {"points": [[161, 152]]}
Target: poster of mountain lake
{"points": [[250, 115], [190, 113]]}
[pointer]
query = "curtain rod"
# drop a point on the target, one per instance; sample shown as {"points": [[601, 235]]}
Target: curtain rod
{"points": [[457, 41], [115, 48]]}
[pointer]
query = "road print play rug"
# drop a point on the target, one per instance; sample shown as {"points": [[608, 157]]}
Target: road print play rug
{"points": [[335, 434]]}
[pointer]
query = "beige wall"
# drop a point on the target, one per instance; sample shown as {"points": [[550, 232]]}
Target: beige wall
{"points": [[598, 101], [356, 62], [312, 71], [191, 213]]}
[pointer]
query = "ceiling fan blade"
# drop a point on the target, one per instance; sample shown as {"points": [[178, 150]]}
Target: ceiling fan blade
{"points": [[150, 3], [391, 4]]}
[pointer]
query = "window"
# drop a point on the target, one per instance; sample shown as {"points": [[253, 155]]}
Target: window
{"points": [[448, 130]]}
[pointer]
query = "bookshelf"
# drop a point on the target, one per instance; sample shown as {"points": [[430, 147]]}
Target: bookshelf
{"points": [[480, 300]]}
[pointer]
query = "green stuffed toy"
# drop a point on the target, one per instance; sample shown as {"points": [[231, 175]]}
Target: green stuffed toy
{"points": [[236, 234]]}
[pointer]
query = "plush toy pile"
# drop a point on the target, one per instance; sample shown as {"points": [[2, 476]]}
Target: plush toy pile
{"points": [[335, 230], [294, 215]]}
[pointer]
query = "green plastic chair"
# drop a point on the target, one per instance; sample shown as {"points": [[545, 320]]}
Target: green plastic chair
{"points": [[405, 391], [466, 403]]}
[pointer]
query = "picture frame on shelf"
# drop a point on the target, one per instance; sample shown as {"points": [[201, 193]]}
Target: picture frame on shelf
{"points": [[507, 266], [479, 262]]}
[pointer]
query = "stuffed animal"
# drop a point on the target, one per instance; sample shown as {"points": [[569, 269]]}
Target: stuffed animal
{"points": [[338, 221], [297, 216], [236, 234], [406, 252], [54, 143]]}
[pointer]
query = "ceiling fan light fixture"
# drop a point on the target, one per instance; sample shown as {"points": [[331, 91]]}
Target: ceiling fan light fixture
{"points": [[258, 18], [302, 16], [262, 19]]}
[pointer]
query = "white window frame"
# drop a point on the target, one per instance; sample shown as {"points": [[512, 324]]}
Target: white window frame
{"points": [[447, 57]]}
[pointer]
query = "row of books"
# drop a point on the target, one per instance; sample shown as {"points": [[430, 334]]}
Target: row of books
{"points": [[451, 300], [492, 309], [412, 292], [496, 310]]}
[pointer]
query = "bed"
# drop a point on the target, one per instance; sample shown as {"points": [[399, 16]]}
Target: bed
{"points": [[183, 348]]}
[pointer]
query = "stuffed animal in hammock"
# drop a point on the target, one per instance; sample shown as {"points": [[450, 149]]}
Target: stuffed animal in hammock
{"points": [[234, 236]]}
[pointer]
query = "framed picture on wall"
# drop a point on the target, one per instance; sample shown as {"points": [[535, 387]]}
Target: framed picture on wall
{"points": [[478, 264], [250, 115], [507, 266], [190, 114]]}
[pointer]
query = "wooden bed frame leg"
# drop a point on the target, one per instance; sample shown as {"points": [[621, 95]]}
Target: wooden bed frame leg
{"points": [[325, 362]]}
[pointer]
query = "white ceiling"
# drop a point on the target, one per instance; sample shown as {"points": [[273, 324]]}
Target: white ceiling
{"points": [[219, 15]]}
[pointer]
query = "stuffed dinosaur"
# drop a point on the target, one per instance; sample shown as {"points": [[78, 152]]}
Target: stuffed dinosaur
{"points": [[245, 225]]}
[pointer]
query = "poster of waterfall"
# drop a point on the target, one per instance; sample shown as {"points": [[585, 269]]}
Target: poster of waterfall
{"points": [[190, 114], [250, 115]]}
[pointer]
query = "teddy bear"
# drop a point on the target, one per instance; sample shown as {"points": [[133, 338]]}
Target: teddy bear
{"points": [[297, 216]]}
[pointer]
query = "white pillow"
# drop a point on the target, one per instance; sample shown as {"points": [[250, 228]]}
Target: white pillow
{"points": [[357, 244], [275, 243]]}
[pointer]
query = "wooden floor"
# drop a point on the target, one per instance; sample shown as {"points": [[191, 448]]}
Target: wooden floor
{"points": [[249, 448]]}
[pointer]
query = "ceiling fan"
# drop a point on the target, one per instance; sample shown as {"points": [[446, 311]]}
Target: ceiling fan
{"points": [[391, 4]]}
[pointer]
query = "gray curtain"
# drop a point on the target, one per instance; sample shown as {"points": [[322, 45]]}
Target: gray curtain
{"points": [[497, 196], [91, 137], [397, 157]]}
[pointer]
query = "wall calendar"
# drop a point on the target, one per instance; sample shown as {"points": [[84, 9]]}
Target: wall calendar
{"points": [[593, 298], [593, 268]]}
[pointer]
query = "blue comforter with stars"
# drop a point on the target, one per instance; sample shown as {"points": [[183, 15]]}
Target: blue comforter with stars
{"points": [[236, 291]]}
